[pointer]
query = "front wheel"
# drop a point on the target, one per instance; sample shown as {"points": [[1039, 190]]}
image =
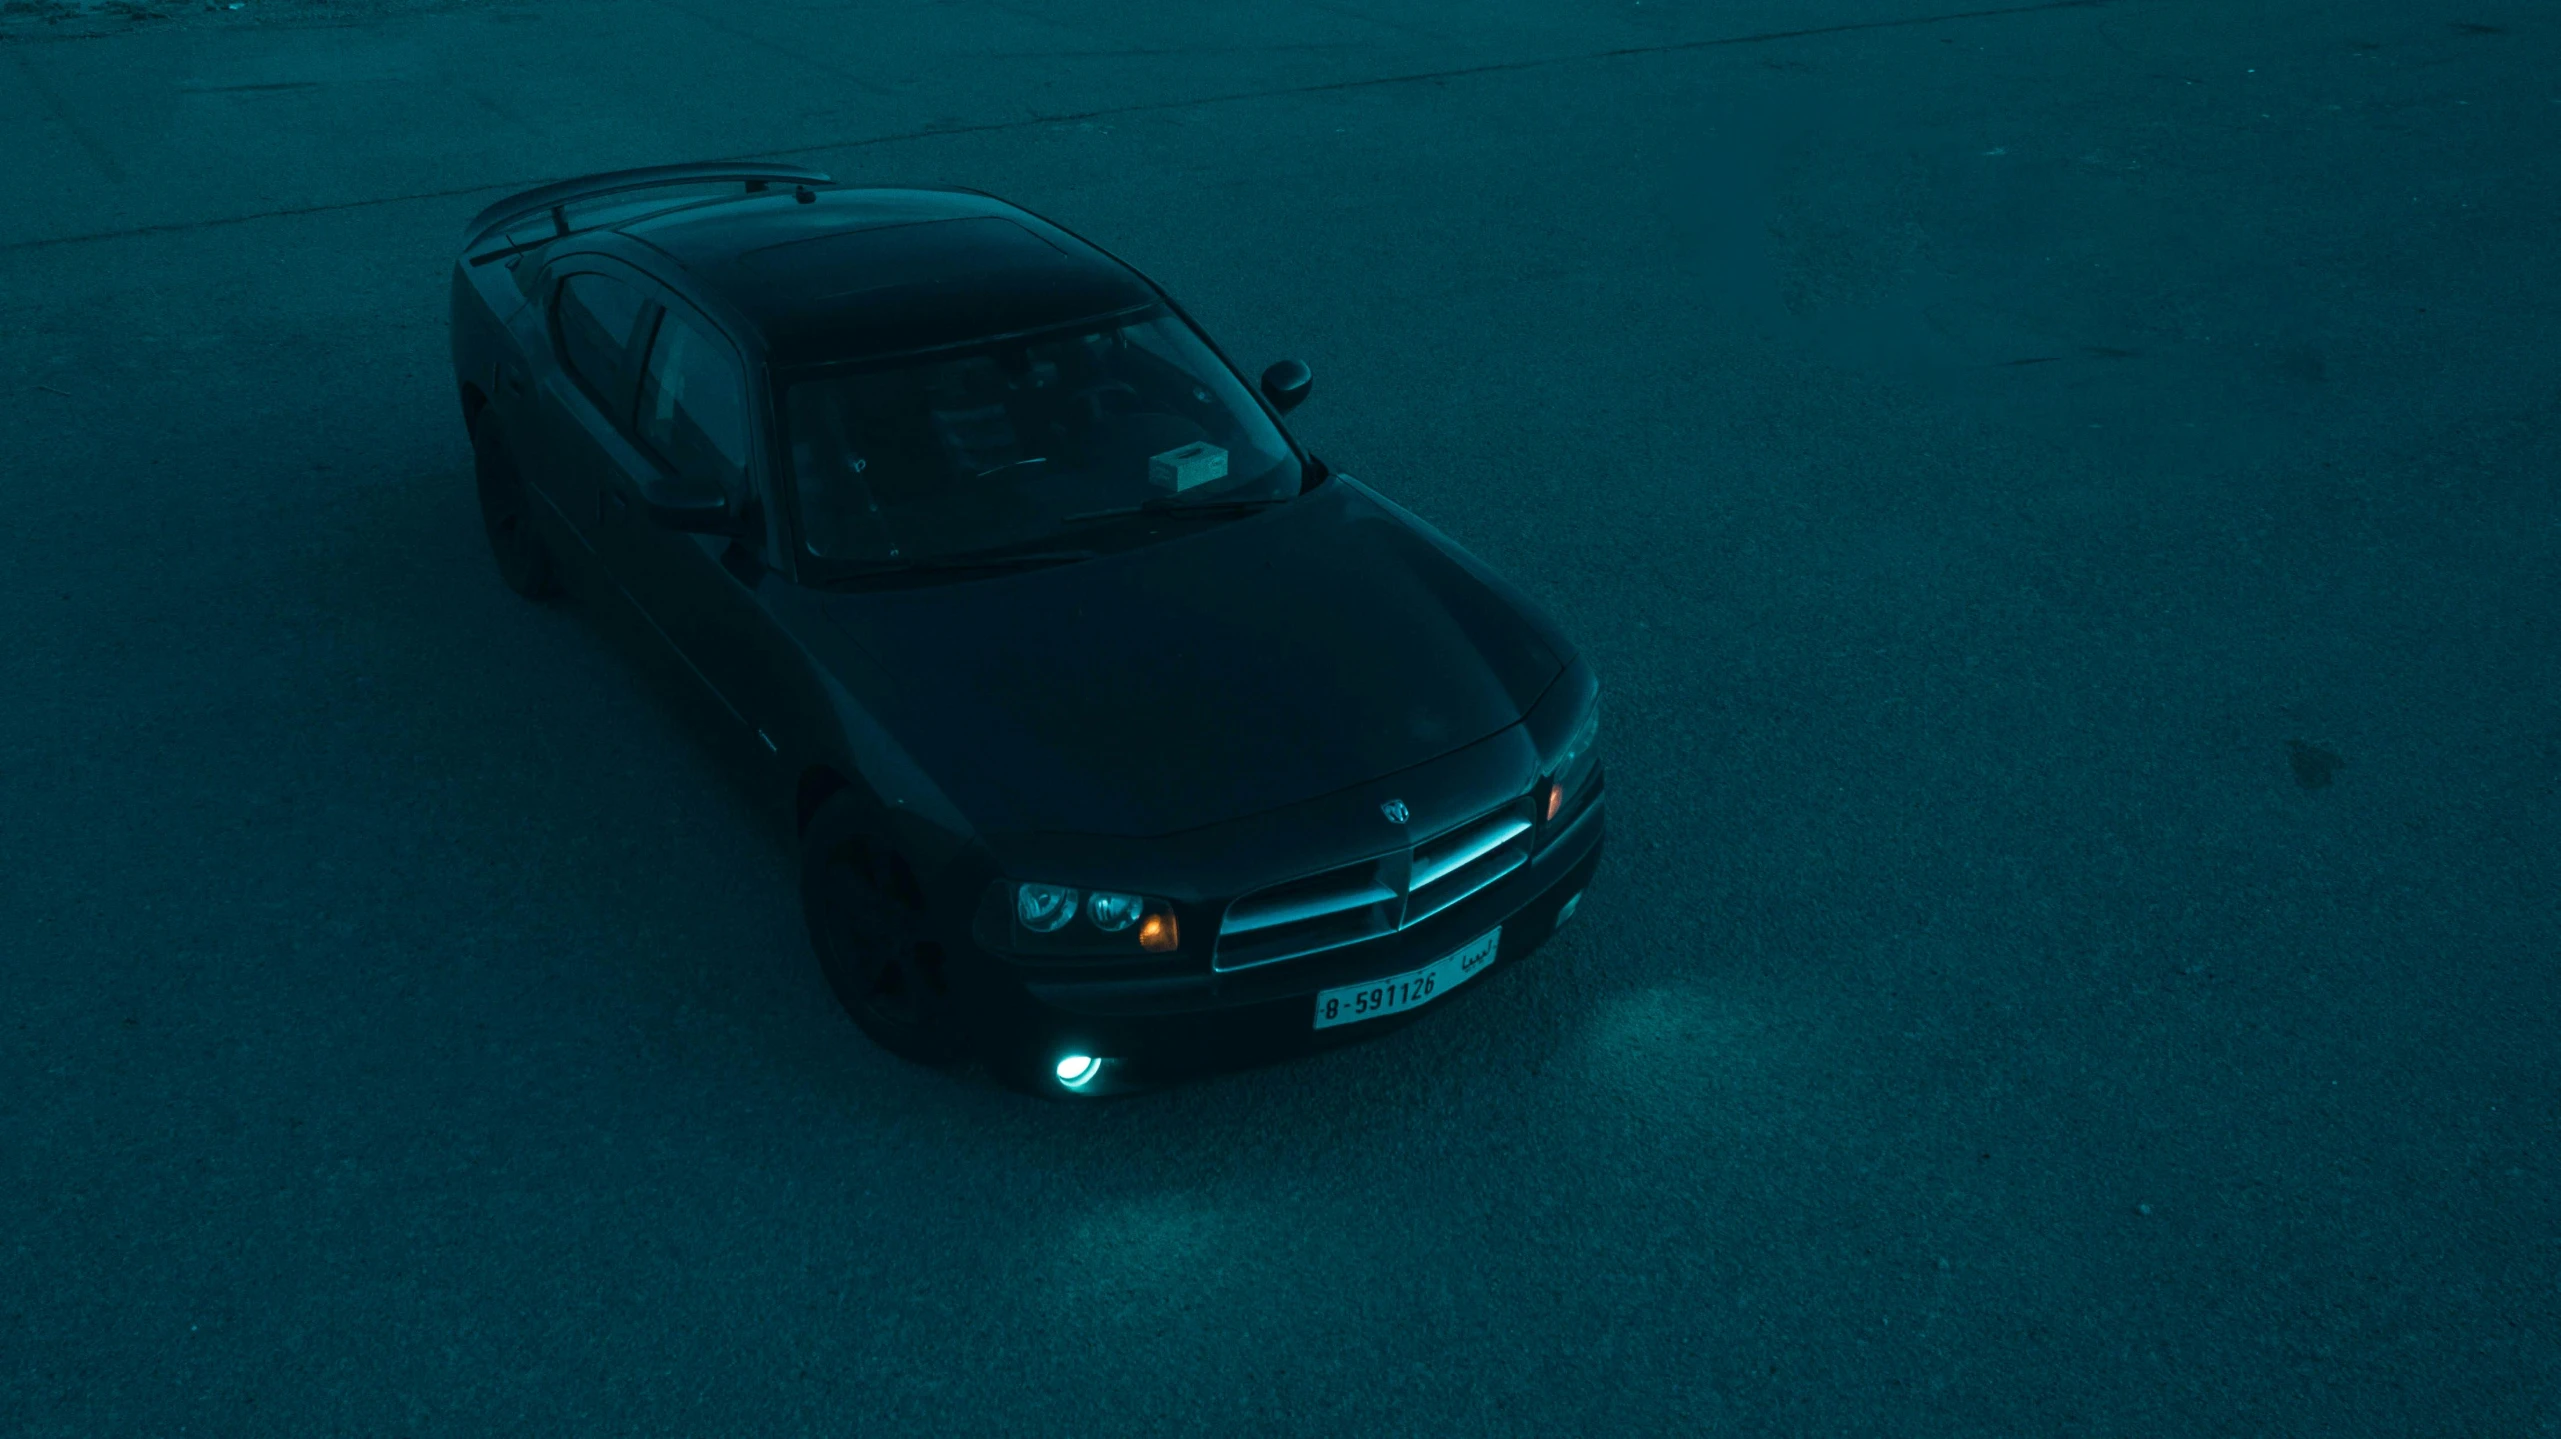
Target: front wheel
{"points": [[506, 512], [867, 924]]}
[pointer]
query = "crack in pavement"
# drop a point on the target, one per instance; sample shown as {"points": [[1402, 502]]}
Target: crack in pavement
{"points": [[777, 47], [89, 144], [1142, 107]]}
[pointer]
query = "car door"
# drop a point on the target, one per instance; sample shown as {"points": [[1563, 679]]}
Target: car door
{"points": [[692, 426]]}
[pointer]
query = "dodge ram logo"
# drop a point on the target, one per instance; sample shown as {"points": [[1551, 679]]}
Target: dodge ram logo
{"points": [[1395, 811]]}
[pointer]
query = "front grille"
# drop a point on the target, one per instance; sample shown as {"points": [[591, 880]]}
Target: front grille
{"points": [[1377, 896]]}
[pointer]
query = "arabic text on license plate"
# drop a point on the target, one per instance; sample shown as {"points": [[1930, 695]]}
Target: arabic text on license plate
{"points": [[1355, 1002]]}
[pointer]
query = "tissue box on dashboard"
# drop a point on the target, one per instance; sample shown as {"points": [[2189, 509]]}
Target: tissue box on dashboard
{"points": [[1193, 464]]}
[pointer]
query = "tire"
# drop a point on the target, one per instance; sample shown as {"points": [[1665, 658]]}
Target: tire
{"points": [[867, 924], [506, 512]]}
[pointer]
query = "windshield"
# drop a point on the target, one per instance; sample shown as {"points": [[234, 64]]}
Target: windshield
{"points": [[1025, 442]]}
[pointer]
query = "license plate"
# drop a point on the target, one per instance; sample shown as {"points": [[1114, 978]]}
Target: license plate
{"points": [[1355, 1002]]}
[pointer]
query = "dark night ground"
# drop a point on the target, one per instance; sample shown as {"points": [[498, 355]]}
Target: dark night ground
{"points": [[2062, 503]]}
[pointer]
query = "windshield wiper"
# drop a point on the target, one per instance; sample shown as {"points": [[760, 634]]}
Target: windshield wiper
{"points": [[1171, 505], [994, 470]]}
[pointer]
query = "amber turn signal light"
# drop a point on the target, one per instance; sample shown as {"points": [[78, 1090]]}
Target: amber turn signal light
{"points": [[1156, 933], [1550, 800]]}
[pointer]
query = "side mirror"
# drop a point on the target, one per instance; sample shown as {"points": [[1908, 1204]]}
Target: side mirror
{"points": [[691, 508], [1285, 385]]}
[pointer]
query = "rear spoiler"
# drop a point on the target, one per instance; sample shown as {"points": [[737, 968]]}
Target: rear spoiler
{"points": [[552, 196]]}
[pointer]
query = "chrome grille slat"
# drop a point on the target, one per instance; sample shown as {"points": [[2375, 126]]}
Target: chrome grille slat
{"points": [[1472, 848], [1297, 947], [1243, 919], [1373, 897], [1424, 904]]}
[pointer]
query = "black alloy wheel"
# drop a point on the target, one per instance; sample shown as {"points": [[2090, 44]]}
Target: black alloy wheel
{"points": [[506, 512], [867, 924]]}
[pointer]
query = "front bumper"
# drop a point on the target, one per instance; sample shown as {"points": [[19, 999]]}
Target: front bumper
{"points": [[1155, 1030]]}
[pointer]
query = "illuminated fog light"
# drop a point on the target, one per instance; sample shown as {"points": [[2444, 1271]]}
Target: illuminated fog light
{"points": [[1565, 911], [1078, 1070]]}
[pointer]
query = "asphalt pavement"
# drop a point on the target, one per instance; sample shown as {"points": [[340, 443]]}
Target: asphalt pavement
{"points": [[2061, 501]]}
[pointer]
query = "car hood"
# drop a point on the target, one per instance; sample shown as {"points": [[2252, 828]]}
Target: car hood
{"points": [[1249, 664]]}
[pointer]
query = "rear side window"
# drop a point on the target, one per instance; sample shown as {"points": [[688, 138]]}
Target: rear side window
{"points": [[597, 313], [693, 405]]}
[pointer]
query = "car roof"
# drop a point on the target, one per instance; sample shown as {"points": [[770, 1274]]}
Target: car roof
{"points": [[858, 272]]}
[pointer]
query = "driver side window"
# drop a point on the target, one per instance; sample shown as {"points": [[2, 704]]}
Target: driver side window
{"points": [[595, 314], [693, 405]]}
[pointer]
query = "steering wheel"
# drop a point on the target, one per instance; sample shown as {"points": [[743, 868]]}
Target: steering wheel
{"points": [[1091, 397]]}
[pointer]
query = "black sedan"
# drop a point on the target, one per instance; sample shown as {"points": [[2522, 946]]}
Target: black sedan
{"points": [[1126, 739]]}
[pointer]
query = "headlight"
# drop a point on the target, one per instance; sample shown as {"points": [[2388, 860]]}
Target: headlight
{"points": [[1115, 922], [1113, 913], [1043, 908], [1571, 772]]}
